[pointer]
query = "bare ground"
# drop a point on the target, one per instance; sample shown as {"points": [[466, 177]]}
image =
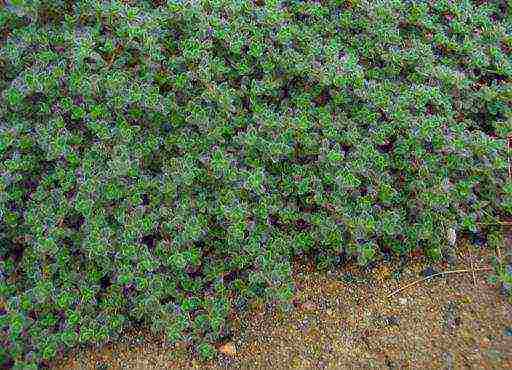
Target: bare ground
{"points": [[341, 320]]}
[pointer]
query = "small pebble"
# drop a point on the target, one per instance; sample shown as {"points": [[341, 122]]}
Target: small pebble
{"points": [[402, 300], [452, 236], [331, 274], [328, 348], [303, 325], [508, 332], [448, 359]]}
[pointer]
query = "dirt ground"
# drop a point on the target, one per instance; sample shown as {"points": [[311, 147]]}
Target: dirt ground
{"points": [[341, 320]]}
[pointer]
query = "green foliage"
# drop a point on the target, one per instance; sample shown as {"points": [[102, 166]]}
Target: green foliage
{"points": [[161, 162]]}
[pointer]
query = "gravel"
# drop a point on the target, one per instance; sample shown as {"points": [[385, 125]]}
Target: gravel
{"points": [[445, 323]]}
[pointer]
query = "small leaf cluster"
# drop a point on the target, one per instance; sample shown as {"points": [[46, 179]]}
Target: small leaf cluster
{"points": [[162, 162]]}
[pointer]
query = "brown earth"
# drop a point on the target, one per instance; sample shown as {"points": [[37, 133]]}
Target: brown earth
{"points": [[341, 320]]}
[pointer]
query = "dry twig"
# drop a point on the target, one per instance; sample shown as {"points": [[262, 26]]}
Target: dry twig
{"points": [[437, 274], [471, 264]]}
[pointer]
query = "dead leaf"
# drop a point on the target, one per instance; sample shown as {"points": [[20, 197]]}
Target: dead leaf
{"points": [[228, 349]]}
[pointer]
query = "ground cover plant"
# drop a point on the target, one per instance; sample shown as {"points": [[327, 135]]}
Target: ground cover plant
{"points": [[161, 162]]}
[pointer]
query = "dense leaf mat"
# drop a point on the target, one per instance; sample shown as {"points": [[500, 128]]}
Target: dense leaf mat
{"points": [[161, 162]]}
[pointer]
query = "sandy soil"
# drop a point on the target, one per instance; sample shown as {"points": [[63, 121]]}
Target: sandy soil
{"points": [[341, 320]]}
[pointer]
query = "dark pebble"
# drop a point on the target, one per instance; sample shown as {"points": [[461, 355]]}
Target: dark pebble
{"points": [[392, 321], [396, 275], [429, 272], [478, 239], [387, 256], [258, 289], [225, 335], [508, 332], [241, 304], [450, 258], [347, 277], [505, 289], [102, 366], [166, 127], [339, 260], [509, 268], [390, 364]]}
